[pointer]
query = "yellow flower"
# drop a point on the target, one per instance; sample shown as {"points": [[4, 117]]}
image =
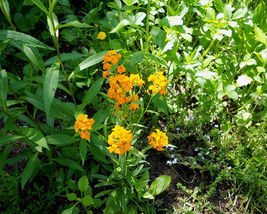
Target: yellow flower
{"points": [[135, 79], [101, 35], [82, 125], [158, 140], [119, 140], [159, 83]]}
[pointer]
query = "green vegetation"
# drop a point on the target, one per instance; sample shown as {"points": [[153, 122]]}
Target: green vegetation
{"points": [[133, 106]]}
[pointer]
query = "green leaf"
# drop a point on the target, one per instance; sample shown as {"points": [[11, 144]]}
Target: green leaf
{"points": [[50, 86], [260, 35], [69, 163], [92, 60], [3, 88], [160, 184], [39, 4], [87, 200], [64, 57], [34, 56], [35, 136], [60, 140], [232, 94], [218, 5], [83, 150], [137, 57], [240, 13], [71, 196], [148, 195], [74, 24], [53, 29], [3, 156], [22, 37], [160, 103], [129, 2], [83, 183], [120, 26], [227, 10], [92, 92], [9, 139], [29, 169], [5, 7], [68, 211]]}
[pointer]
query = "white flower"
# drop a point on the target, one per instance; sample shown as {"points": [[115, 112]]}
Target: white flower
{"points": [[204, 2], [169, 163], [243, 80]]}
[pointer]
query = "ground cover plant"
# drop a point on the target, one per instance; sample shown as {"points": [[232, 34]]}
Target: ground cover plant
{"points": [[133, 106]]}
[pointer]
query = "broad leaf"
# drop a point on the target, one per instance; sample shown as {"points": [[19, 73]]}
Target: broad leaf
{"points": [[83, 183], [160, 184]]}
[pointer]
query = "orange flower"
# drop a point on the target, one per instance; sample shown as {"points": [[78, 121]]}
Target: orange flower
{"points": [[121, 69], [158, 140], [82, 125], [119, 140], [107, 66], [106, 74]]}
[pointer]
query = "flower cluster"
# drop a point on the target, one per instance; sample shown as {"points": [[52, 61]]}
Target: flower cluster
{"points": [[111, 58], [159, 83], [82, 125], [119, 140], [101, 35], [158, 140], [121, 86]]}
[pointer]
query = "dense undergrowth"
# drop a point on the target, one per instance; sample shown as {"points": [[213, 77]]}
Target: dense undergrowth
{"points": [[133, 106]]}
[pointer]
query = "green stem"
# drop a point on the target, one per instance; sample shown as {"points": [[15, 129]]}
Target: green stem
{"points": [[60, 59], [206, 51], [147, 26], [8, 19], [142, 114], [124, 164]]}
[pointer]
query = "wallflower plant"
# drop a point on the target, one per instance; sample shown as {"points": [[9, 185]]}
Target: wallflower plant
{"points": [[129, 177]]}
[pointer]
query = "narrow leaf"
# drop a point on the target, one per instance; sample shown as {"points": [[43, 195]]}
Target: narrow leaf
{"points": [[3, 88], [92, 60], [50, 86], [60, 140], [39, 4], [69, 163], [29, 169], [22, 37], [74, 24], [83, 150], [92, 92], [64, 57], [3, 156], [9, 139]]}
